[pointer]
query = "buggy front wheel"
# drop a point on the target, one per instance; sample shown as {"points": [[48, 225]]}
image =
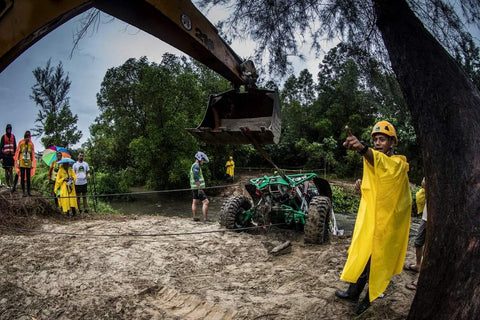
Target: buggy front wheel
{"points": [[234, 212], [316, 225]]}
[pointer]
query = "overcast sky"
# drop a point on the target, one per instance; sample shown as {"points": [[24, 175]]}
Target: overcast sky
{"points": [[111, 46]]}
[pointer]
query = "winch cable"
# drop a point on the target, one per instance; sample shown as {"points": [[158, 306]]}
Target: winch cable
{"points": [[247, 133]]}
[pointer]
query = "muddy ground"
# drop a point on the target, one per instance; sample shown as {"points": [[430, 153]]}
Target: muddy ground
{"points": [[130, 268], [155, 267]]}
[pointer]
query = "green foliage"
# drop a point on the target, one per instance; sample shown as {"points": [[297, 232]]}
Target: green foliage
{"points": [[318, 154], [280, 28], [345, 200], [40, 180], [139, 136], [468, 55], [144, 110], [102, 207], [55, 121], [352, 89], [111, 183]]}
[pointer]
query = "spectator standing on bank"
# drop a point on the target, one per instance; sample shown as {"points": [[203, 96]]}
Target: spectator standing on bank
{"points": [[82, 172], [8, 146], [25, 163], [52, 173], [65, 187]]}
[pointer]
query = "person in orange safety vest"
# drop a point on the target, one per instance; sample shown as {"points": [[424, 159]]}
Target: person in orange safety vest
{"points": [[8, 146]]}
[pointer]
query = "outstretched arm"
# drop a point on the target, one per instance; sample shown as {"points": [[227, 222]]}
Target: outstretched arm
{"points": [[352, 143]]}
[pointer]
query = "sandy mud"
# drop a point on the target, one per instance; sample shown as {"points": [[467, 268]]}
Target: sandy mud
{"points": [[166, 268]]}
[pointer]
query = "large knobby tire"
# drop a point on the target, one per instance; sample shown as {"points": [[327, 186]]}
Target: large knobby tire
{"points": [[316, 226], [232, 211], [225, 205]]}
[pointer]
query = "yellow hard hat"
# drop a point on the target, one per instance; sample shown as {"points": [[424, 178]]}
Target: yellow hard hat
{"points": [[230, 157], [387, 128]]}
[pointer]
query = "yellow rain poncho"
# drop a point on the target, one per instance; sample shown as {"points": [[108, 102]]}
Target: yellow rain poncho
{"points": [[382, 225], [230, 167], [68, 195], [420, 198]]}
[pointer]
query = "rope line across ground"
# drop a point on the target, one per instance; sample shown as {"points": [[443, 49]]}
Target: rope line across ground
{"points": [[132, 193], [136, 235]]}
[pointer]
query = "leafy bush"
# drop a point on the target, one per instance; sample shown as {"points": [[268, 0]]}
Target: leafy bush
{"points": [[345, 200], [110, 183], [101, 207], [40, 181]]}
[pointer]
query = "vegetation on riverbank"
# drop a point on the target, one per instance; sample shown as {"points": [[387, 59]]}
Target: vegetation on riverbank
{"points": [[139, 137]]}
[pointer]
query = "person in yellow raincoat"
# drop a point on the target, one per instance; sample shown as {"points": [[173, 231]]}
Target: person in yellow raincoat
{"points": [[65, 187], [420, 237], [230, 165], [380, 238], [25, 163]]}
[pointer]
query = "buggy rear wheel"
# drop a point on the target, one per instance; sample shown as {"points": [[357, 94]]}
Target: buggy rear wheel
{"points": [[233, 212], [316, 226]]}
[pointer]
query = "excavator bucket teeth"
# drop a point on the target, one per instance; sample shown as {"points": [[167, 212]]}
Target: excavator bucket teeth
{"points": [[234, 117]]}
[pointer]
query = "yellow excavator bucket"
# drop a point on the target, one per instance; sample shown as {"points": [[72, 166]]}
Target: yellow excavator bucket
{"points": [[235, 117]]}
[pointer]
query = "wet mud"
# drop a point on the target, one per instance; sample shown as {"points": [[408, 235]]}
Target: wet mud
{"points": [[144, 267]]}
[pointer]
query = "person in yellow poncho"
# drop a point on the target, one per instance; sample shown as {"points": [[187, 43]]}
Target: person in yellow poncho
{"points": [[419, 240], [65, 188], [230, 165], [25, 163], [380, 238]]}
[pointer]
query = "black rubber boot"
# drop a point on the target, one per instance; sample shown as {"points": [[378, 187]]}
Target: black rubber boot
{"points": [[362, 306], [351, 294], [353, 291]]}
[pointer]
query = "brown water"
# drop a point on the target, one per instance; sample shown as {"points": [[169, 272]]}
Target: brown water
{"points": [[176, 204]]}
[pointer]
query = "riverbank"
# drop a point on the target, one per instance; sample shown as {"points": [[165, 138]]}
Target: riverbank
{"points": [[144, 267]]}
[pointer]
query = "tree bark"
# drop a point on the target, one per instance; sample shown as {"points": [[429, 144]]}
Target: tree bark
{"points": [[445, 108]]}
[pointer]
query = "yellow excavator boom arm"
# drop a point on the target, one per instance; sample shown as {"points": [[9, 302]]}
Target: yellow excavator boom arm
{"points": [[238, 117], [179, 23]]}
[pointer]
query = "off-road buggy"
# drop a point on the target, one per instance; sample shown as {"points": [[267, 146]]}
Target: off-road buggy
{"points": [[299, 201]]}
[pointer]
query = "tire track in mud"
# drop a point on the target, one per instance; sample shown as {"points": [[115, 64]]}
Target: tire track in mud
{"points": [[199, 276], [185, 306]]}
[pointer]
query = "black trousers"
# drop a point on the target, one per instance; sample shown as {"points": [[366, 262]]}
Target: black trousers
{"points": [[25, 176]]}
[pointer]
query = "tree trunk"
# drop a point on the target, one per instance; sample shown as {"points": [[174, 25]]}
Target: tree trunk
{"points": [[445, 108]]}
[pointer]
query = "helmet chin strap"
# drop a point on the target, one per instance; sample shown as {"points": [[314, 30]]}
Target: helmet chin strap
{"points": [[390, 150]]}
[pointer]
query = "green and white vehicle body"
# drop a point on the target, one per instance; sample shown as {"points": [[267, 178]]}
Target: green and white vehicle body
{"points": [[301, 201]]}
